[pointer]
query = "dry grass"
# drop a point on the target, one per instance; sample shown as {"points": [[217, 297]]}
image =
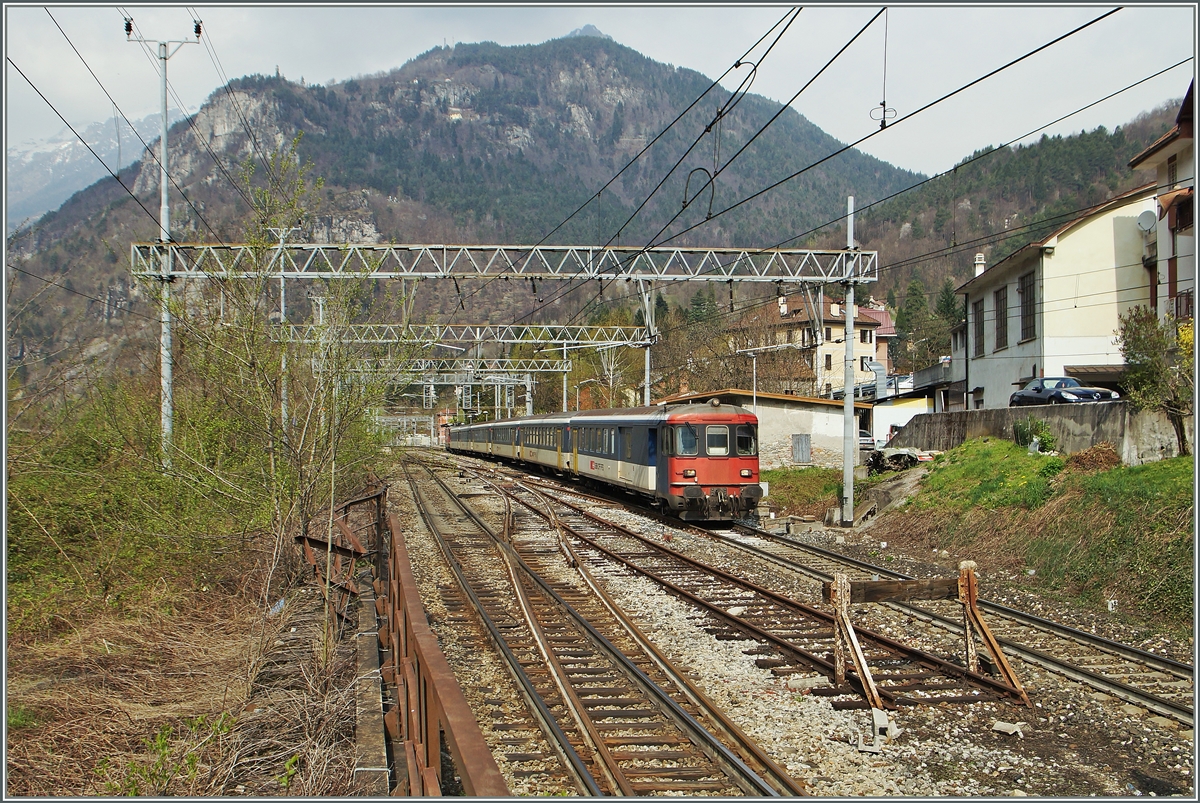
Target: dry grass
{"points": [[170, 705]]}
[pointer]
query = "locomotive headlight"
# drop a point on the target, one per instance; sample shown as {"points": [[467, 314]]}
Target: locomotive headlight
{"points": [[747, 472], [689, 472]]}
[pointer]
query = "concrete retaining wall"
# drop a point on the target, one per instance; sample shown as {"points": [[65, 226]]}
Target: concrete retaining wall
{"points": [[1141, 437]]}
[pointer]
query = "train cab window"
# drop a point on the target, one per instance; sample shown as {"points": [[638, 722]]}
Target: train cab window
{"points": [[685, 440], [716, 441], [747, 444]]}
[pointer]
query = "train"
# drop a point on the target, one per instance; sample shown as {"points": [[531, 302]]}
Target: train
{"points": [[698, 462]]}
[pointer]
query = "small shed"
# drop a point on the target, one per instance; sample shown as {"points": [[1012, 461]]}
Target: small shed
{"points": [[782, 416]]}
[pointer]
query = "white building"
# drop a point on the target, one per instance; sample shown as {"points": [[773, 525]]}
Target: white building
{"points": [[1052, 308], [1171, 255]]}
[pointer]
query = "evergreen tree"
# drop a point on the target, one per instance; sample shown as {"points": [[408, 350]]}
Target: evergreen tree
{"points": [[948, 306]]}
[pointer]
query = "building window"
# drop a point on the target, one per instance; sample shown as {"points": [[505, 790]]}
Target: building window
{"points": [[828, 333], [828, 362], [1001, 298], [1172, 171], [1028, 302], [1184, 214], [977, 314], [862, 362], [865, 336]]}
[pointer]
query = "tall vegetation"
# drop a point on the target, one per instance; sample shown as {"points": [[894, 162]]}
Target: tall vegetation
{"points": [[98, 518], [1160, 368]]}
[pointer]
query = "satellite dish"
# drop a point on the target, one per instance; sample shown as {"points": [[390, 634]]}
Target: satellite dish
{"points": [[1147, 221]]}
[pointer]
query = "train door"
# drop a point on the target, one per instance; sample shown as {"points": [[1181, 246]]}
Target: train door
{"points": [[624, 454], [652, 454], [662, 480]]}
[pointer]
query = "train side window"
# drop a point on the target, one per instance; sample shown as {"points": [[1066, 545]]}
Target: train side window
{"points": [[746, 442], [716, 441], [685, 440]]}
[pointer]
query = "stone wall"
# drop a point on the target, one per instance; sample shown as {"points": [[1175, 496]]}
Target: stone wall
{"points": [[1139, 437]]}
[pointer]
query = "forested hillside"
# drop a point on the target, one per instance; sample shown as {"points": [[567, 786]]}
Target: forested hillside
{"points": [[482, 143]]}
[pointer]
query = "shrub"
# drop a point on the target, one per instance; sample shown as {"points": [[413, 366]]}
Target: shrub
{"points": [[1025, 431], [1051, 467]]}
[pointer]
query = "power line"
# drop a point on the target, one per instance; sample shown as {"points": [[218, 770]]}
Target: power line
{"points": [[998, 149], [861, 140], [927, 106], [651, 144], [712, 178], [72, 290], [135, 131], [977, 157], [256, 148], [81, 139]]}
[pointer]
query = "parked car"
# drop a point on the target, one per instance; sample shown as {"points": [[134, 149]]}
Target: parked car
{"points": [[865, 439], [1059, 390]]}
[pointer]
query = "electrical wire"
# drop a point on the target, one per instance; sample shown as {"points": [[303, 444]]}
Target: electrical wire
{"points": [[256, 147], [81, 139], [985, 154], [794, 13], [776, 184], [135, 131], [75, 292], [861, 140]]}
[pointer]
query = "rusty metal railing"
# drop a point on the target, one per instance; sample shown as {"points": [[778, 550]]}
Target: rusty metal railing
{"points": [[428, 703]]}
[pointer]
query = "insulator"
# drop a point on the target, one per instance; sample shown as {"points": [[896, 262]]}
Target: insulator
{"points": [[129, 26], [197, 28]]}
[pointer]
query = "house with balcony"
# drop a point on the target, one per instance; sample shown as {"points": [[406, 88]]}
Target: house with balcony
{"points": [[1169, 253], [1052, 308]]}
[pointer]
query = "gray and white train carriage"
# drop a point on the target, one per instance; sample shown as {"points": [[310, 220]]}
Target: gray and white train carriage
{"points": [[698, 461]]}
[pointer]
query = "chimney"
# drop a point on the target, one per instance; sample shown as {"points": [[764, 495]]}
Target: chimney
{"points": [[980, 264]]}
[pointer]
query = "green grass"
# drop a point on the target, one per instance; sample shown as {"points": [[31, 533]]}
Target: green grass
{"points": [[988, 473], [18, 717], [811, 490], [1125, 533]]}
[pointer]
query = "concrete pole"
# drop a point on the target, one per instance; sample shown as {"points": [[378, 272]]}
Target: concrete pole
{"points": [[283, 369], [164, 236], [849, 430], [754, 373]]}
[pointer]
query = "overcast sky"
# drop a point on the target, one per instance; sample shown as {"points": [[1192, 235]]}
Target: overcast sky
{"points": [[930, 51]]}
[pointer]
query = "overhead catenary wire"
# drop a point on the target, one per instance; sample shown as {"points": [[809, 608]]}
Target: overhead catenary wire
{"points": [[793, 12], [999, 149], [654, 242], [149, 150], [861, 140]]}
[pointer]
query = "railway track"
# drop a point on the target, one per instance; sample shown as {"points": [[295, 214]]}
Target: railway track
{"points": [[1141, 678], [793, 637], [621, 720]]}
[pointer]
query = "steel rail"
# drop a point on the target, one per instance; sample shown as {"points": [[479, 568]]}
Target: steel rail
{"points": [[706, 741], [765, 765], [1124, 691], [918, 656], [571, 760]]}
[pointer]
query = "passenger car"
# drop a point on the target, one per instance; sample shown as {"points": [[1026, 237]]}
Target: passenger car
{"points": [[865, 439], [695, 461], [1059, 390]]}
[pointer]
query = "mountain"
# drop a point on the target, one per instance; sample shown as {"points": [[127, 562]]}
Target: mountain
{"points": [[487, 144], [588, 30], [41, 174]]}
